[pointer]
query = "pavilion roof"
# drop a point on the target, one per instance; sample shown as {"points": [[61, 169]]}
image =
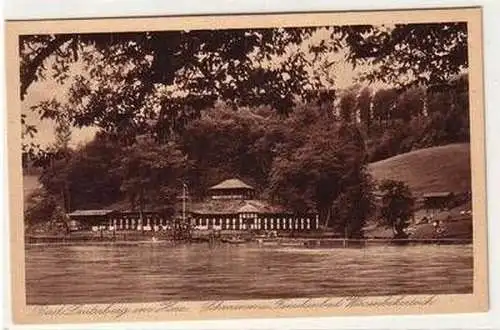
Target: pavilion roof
{"points": [[231, 184], [223, 206]]}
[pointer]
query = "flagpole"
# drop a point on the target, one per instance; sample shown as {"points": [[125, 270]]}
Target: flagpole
{"points": [[184, 191]]}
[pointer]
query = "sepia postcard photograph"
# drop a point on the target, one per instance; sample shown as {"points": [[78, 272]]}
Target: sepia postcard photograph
{"points": [[243, 166]]}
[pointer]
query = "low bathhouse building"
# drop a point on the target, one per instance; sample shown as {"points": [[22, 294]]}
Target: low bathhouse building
{"points": [[118, 220], [230, 205]]}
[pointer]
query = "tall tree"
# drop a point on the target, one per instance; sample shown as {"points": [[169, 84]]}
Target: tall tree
{"points": [[410, 104], [62, 134], [54, 177], [354, 204], [384, 102], [152, 174], [364, 107], [397, 206], [348, 105], [448, 109], [92, 173], [38, 208], [310, 175]]}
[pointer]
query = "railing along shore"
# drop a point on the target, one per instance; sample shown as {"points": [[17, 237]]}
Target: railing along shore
{"points": [[279, 241]]}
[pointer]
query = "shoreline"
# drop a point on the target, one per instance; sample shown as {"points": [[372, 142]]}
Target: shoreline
{"points": [[309, 243]]}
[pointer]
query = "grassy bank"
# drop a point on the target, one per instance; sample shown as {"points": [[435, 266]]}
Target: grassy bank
{"points": [[437, 169]]}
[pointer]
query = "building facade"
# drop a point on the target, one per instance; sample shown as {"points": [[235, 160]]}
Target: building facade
{"points": [[231, 205], [255, 221], [118, 220]]}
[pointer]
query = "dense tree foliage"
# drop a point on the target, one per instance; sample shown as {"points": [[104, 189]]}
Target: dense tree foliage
{"points": [[355, 204], [397, 206], [348, 105], [321, 162], [224, 143], [199, 106], [410, 104], [414, 54], [151, 174], [364, 105], [120, 81], [39, 208], [55, 177], [415, 118], [384, 103], [92, 180]]}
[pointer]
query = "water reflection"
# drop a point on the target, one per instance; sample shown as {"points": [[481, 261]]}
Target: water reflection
{"points": [[154, 272]]}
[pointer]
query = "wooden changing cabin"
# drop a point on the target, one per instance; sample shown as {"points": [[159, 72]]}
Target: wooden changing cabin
{"points": [[89, 219], [438, 200]]}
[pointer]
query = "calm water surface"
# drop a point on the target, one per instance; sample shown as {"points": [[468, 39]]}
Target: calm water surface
{"points": [[156, 272]]}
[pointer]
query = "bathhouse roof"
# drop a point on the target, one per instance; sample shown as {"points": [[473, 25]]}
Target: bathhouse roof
{"points": [[231, 184], [82, 213], [233, 207], [248, 208]]}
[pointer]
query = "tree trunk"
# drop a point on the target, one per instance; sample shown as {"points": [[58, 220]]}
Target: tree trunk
{"points": [[328, 217], [398, 229], [68, 195], [63, 197]]}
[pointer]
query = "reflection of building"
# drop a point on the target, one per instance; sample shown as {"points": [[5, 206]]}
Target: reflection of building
{"points": [[231, 206]]}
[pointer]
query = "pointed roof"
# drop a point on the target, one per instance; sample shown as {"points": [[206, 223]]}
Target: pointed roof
{"points": [[231, 184], [214, 206], [248, 208]]}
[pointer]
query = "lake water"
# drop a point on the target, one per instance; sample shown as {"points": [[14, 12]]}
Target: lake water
{"points": [[157, 272]]}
